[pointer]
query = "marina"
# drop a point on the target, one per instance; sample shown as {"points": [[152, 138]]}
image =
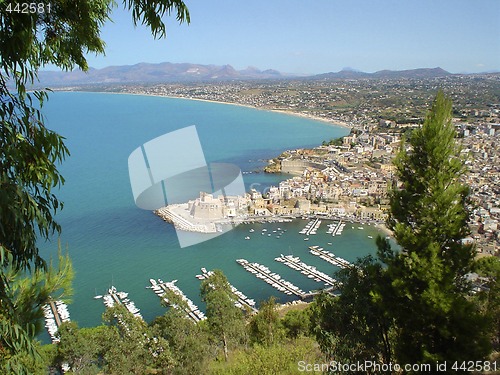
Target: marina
{"points": [[160, 288], [311, 227], [329, 257], [243, 301], [310, 271], [56, 313], [335, 229], [273, 279], [114, 297]]}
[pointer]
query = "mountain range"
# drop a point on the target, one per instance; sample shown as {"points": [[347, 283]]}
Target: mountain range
{"points": [[185, 72]]}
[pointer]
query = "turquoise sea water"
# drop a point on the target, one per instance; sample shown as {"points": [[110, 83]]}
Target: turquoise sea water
{"points": [[111, 241]]}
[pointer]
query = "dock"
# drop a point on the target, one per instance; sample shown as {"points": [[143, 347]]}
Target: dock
{"points": [[273, 279], [160, 288], [121, 298], [56, 313], [310, 271], [329, 257], [311, 227], [243, 302], [336, 229]]}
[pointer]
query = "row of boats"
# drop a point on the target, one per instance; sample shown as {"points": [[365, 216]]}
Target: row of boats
{"points": [[336, 228], [310, 271], [243, 302], [329, 257], [311, 227], [160, 288], [262, 272], [55, 313], [115, 297]]}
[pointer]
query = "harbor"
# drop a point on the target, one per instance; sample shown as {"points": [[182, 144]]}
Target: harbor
{"points": [[161, 288], [121, 298], [329, 257], [273, 279], [243, 302], [56, 313], [310, 271]]}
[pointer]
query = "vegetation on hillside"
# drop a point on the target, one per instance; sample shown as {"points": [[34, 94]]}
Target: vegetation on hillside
{"points": [[414, 305]]}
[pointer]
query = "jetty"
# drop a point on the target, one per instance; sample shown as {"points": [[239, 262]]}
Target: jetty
{"points": [[243, 302], [160, 288], [335, 229], [273, 279], [56, 313], [310, 271], [329, 257], [311, 227], [121, 298]]}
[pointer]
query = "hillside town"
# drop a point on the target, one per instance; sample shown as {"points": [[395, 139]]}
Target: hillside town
{"points": [[350, 177]]}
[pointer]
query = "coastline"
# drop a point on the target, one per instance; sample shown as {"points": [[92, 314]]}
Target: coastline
{"points": [[338, 123], [384, 229]]}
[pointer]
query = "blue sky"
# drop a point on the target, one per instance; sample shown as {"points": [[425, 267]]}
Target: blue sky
{"points": [[306, 37]]}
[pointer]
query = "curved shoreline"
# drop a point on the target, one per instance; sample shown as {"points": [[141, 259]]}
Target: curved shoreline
{"points": [[337, 123]]}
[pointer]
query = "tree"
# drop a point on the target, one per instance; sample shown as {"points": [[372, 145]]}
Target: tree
{"points": [[81, 348], [21, 313], [225, 321], [489, 296], [297, 323], [413, 304], [353, 327], [426, 292], [188, 341], [60, 34], [265, 326]]}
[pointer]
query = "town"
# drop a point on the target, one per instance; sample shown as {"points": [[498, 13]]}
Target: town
{"points": [[350, 177]]}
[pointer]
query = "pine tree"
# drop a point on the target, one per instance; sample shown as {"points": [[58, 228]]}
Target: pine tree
{"points": [[412, 304], [425, 290]]}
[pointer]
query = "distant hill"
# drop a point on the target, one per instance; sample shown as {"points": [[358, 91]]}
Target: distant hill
{"points": [[154, 73], [185, 72], [396, 74]]}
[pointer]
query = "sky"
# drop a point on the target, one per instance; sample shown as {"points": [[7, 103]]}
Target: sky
{"points": [[311, 37]]}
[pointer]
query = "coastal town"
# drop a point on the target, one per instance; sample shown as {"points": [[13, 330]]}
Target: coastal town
{"points": [[350, 177]]}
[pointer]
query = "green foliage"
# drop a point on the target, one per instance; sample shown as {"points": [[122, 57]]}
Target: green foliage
{"points": [[426, 293], [82, 349], [353, 326], [37, 365], [225, 321], [265, 326], [489, 298], [280, 359], [488, 267], [30, 153], [413, 304], [21, 313], [188, 342], [135, 349], [334, 142], [125, 345], [297, 323]]}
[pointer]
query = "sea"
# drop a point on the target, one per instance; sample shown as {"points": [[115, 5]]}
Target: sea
{"points": [[113, 242]]}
